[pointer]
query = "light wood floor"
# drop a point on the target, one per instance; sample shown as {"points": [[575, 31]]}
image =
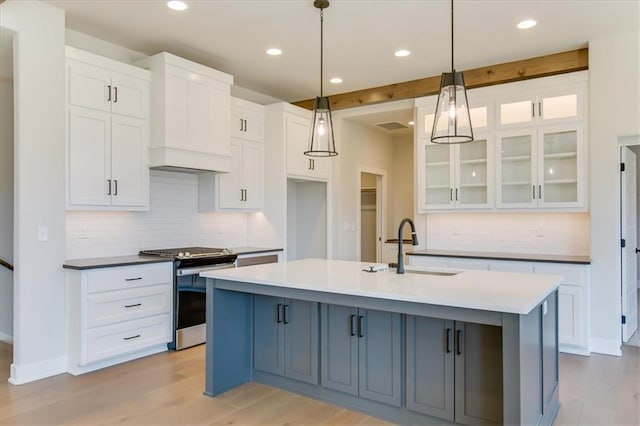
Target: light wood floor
{"points": [[167, 389]]}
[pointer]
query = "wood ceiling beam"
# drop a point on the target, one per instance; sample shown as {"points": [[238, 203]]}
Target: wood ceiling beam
{"points": [[542, 66]]}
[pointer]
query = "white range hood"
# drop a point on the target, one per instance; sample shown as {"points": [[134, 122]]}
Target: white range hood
{"points": [[190, 107]]}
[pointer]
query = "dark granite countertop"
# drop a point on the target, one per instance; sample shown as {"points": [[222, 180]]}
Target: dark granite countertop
{"points": [[253, 250], [108, 262], [551, 258]]}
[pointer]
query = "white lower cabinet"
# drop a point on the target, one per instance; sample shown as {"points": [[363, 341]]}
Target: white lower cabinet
{"points": [[117, 314], [573, 293]]}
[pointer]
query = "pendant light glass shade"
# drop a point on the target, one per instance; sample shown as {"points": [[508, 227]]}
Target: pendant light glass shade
{"points": [[321, 142], [452, 123]]}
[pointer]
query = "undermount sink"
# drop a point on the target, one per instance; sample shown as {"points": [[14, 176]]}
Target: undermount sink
{"points": [[431, 272]]}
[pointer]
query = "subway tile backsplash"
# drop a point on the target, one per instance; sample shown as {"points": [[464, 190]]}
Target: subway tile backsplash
{"points": [[535, 233], [172, 221]]}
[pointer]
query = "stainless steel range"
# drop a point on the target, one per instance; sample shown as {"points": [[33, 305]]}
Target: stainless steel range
{"points": [[189, 289]]}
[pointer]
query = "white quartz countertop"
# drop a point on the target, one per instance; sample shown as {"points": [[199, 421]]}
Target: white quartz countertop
{"points": [[507, 292]]}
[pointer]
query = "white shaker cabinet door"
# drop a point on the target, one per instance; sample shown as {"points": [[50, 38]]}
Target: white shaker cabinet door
{"points": [[129, 96], [230, 195], [129, 173], [89, 86], [89, 158]]}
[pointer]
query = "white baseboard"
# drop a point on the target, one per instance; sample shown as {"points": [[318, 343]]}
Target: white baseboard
{"points": [[606, 346], [574, 350], [4, 337], [78, 369], [25, 373]]}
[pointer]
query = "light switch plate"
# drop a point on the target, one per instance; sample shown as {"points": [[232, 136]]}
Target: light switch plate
{"points": [[43, 233]]}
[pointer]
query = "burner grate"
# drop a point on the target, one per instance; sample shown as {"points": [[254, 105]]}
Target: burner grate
{"points": [[187, 252]]}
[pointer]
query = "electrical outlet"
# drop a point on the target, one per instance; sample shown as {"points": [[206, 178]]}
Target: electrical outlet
{"points": [[539, 232]]}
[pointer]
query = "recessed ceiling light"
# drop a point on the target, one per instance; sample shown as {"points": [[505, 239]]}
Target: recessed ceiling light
{"points": [[402, 53], [177, 5], [526, 24], [274, 52], [411, 123], [335, 80]]}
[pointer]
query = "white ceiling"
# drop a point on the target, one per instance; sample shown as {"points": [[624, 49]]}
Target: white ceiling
{"points": [[360, 36]]}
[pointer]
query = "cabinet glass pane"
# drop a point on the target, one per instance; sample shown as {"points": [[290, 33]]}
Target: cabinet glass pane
{"points": [[515, 112], [473, 172], [560, 167], [437, 174], [478, 117], [516, 179], [560, 107]]}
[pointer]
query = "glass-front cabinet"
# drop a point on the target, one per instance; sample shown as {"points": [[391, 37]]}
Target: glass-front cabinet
{"points": [[543, 107], [540, 167], [456, 176]]}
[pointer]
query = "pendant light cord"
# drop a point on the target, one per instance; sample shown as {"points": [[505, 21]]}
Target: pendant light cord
{"points": [[321, 52], [452, 69]]}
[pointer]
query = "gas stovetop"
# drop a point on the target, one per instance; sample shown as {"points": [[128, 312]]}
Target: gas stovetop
{"points": [[188, 252]]}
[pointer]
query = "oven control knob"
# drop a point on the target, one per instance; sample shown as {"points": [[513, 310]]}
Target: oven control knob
{"points": [[181, 254], [187, 254]]}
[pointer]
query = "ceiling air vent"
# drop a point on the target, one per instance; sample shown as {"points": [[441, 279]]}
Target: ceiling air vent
{"points": [[392, 125]]}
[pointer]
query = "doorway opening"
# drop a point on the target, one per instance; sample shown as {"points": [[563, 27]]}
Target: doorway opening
{"points": [[371, 217], [630, 237], [7, 179]]}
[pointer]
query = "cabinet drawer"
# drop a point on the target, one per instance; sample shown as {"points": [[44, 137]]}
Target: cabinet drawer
{"points": [[115, 306], [129, 276], [108, 341]]}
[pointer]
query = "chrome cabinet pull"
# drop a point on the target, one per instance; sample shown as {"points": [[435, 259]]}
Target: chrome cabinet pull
{"points": [[108, 93], [534, 192], [540, 192], [450, 194], [456, 194], [133, 279], [352, 332], [116, 187], [540, 109], [533, 110], [133, 306], [109, 182], [115, 94], [245, 126]]}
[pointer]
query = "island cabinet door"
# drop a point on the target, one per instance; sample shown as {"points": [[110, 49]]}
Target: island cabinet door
{"points": [[339, 348], [478, 377], [430, 366], [300, 319], [380, 366], [268, 334]]}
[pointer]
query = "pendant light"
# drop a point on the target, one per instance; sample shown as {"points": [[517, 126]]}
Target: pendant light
{"points": [[452, 123], [321, 142]]}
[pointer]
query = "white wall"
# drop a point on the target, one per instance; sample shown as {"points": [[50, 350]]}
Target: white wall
{"points": [[401, 182], [614, 89], [360, 148], [172, 221], [530, 233], [6, 183], [39, 317]]}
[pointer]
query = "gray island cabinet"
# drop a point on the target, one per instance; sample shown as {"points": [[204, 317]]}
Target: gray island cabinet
{"points": [[426, 347]]}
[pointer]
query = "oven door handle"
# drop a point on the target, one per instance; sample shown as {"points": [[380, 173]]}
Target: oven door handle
{"points": [[194, 271]]}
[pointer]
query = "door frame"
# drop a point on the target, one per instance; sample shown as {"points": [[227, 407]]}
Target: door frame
{"points": [[623, 141], [381, 216]]}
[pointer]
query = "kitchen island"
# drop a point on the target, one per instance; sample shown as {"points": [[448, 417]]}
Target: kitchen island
{"points": [[466, 347]]}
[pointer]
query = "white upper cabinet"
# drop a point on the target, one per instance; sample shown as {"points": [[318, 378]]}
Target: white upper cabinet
{"points": [[95, 87], [297, 129], [541, 167], [456, 176], [242, 188], [540, 107], [107, 134], [247, 120], [190, 115], [529, 150]]}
